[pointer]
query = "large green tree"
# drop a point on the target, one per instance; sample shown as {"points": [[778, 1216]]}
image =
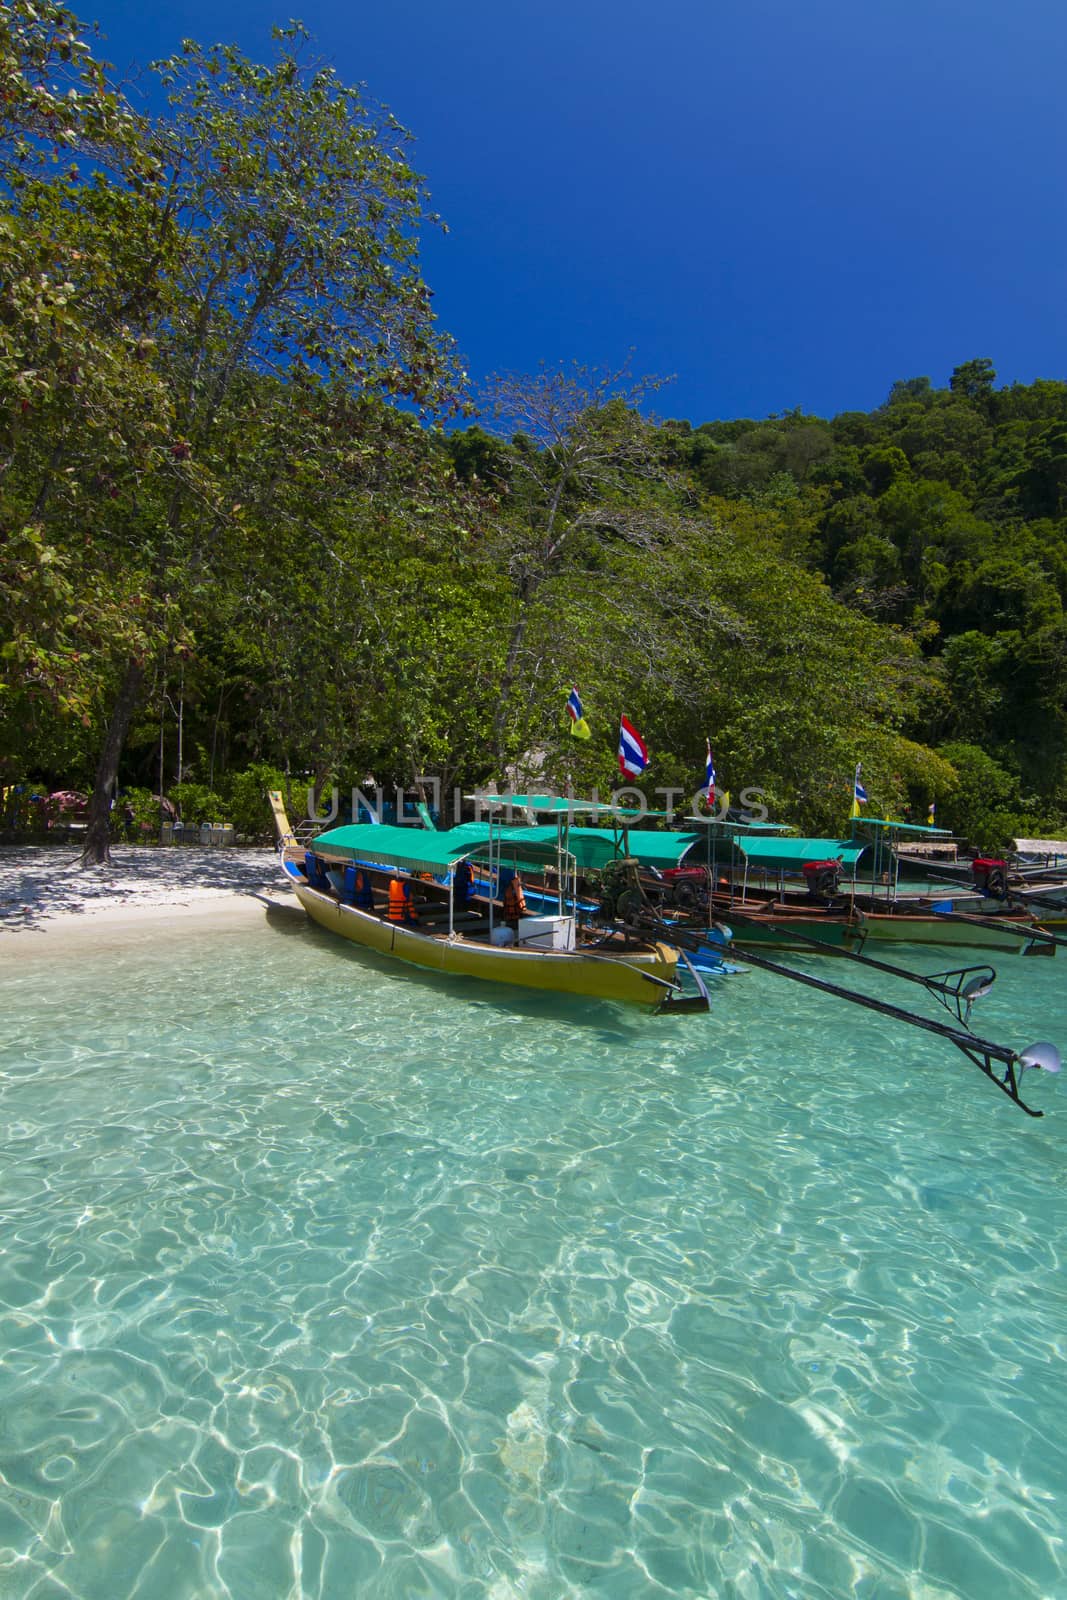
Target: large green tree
{"points": [[270, 228]]}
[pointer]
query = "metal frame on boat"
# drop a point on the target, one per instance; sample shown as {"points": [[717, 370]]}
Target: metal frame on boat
{"points": [[549, 953]]}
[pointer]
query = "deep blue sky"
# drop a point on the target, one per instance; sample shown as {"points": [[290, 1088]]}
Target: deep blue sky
{"points": [[783, 202]]}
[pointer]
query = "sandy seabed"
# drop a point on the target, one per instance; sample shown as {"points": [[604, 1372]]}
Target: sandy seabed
{"points": [[45, 894]]}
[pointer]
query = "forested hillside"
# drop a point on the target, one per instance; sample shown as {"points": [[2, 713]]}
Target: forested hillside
{"points": [[943, 513], [241, 506]]}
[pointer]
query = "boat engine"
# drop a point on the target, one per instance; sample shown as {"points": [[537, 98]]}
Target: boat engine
{"points": [[621, 892], [990, 875], [687, 888], [822, 878]]}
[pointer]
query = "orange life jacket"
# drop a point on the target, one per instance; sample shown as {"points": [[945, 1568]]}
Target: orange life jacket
{"points": [[400, 907], [514, 901]]}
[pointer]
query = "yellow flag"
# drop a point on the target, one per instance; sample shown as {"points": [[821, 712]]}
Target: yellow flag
{"points": [[580, 729]]}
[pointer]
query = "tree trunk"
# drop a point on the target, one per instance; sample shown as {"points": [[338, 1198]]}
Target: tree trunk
{"points": [[96, 848]]}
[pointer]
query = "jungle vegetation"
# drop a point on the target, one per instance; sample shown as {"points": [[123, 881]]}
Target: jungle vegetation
{"points": [[252, 522]]}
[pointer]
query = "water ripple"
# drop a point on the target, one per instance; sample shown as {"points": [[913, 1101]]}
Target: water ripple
{"points": [[319, 1281]]}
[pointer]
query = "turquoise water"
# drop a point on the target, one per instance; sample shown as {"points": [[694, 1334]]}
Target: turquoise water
{"points": [[317, 1280]]}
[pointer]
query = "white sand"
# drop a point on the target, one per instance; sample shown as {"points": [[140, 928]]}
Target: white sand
{"points": [[140, 893]]}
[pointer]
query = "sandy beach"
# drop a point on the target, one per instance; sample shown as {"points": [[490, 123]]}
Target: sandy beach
{"points": [[46, 895]]}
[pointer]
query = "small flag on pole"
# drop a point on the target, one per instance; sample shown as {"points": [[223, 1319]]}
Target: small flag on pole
{"points": [[709, 778], [930, 814], [859, 794], [633, 751], [580, 729]]}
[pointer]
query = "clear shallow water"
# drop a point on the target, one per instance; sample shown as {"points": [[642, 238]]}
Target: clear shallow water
{"points": [[320, 1280]]}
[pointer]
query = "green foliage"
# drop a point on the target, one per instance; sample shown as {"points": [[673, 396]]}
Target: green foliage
{"points": [[974, 380], [211, 500], [146, 812], [984, 804], [247, 806], [196, 803]]}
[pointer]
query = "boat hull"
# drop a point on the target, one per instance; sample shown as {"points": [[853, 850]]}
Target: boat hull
{"points": [[834, 936], [758, 923], [903, 929], [635, 979]]}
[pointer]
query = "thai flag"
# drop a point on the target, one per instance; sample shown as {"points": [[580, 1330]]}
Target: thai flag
{"points": [[709, 776], [859, 793], [633, 751]]}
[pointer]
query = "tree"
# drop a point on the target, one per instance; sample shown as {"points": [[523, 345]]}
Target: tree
{"points": [[909, 390], [980, 803], [83, 413], [368, 636], [298, 215], [581, 447], [974, 380]]}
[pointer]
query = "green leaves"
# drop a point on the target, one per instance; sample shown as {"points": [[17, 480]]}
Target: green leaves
{"points": [[206, 323]]}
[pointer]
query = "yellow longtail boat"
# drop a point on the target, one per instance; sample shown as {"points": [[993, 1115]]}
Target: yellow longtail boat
{"points": [[468, 937]]}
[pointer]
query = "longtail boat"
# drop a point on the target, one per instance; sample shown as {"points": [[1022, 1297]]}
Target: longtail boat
{"points": [[631, 954], [779, 891], [782, 893], [470, 939]]}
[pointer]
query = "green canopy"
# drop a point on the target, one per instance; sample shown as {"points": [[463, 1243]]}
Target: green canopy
{"points": [[651, 847], [904, 827], [556, 805], [785, 855], [728, 829], [415, 850], [592, 848], [418, 851]]}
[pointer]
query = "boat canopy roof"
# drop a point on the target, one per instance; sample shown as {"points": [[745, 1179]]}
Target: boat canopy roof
{"points": [[730, 829], [1042, 847], [591, 848], [904, 827], [786, 854], [417, 850], [556, 805], [594, 847]]}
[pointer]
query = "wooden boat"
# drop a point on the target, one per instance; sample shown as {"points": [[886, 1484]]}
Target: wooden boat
{"points": [[787, 927], [558, 957], [551, 952], [847, 924], [807, 898], [983, 930], [641, 871]]}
